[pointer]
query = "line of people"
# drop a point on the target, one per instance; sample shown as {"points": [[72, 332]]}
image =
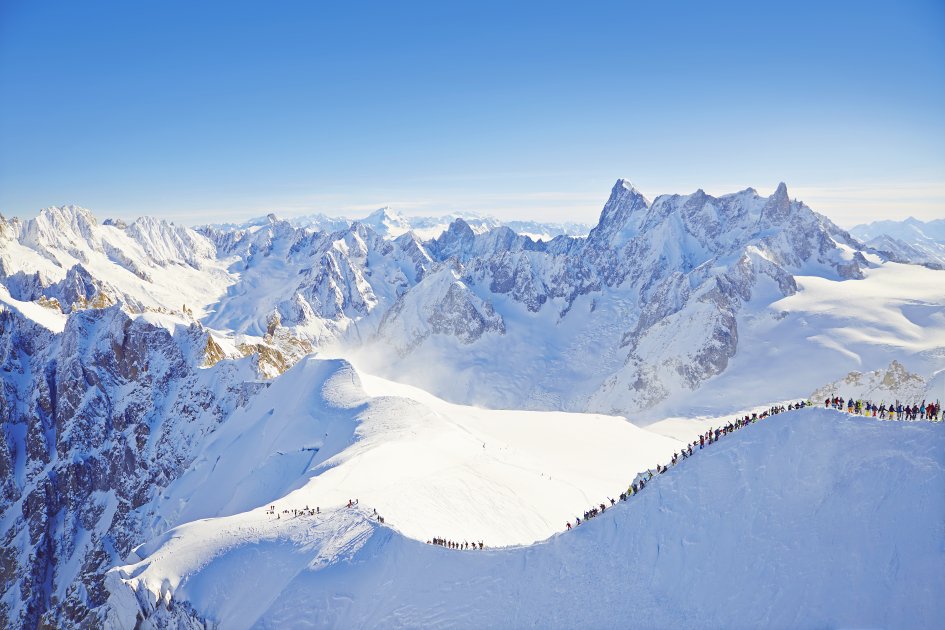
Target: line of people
{"points": [[465, 545], [294, 512], [710, 437], [931, 411]]}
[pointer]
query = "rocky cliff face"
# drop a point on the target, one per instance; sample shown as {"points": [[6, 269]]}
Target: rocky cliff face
{"points": [[96, 421]]}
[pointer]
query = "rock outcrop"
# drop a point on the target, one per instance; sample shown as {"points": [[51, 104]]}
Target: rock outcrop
{"points": [[96, 420]]}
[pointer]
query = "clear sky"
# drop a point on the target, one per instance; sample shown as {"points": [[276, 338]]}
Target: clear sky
{"points": [[200, 112]]}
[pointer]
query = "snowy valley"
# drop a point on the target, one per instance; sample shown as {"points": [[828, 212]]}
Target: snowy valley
{"points": [[478, 381]]}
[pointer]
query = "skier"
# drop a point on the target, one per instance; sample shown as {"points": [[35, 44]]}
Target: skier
{"points": [[569, 526]]}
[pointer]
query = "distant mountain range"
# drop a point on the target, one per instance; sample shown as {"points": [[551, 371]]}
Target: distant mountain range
{"points": [[911, 239], [391, 224]]}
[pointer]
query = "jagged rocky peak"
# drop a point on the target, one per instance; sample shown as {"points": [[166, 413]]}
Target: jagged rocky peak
{"points": [[458, 231], [58, 227], [622, 216], [386, 216], [777, 209]]}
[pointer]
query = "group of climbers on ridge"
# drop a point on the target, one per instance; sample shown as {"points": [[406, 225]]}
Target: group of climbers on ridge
{"points": [[895, 411], [929, 411]]}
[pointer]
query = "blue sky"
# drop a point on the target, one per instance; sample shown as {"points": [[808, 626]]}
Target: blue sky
{"points": [[203, 112]]}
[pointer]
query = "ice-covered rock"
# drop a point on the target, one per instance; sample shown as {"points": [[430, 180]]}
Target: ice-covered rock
{"points": [[97, 420]]}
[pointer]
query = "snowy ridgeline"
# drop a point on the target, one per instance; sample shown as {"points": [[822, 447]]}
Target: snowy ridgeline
{"points": [[811, 518]]}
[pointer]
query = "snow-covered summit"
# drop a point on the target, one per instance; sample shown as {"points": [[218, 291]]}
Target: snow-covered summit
{"points": [[907, 229], [443, 305], [387, 222]]}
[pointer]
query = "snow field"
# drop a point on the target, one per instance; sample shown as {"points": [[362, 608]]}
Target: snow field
{"points": [[432, 469], [811, 518]]}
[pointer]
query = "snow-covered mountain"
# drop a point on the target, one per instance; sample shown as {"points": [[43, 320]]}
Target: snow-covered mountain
{"points": [[155, 375], [910, 240], [894, 384], [907, 229], [652, 304]]}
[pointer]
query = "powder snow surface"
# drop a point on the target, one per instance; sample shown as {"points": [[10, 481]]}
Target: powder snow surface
{"points": [[811, 518], [316, 438]]}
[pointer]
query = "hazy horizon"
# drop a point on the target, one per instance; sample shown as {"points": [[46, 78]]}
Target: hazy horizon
{"points": [[590, 216]]}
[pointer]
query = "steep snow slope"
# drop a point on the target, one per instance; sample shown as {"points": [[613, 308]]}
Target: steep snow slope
{"points": [[807, 519], [315, 438]]}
